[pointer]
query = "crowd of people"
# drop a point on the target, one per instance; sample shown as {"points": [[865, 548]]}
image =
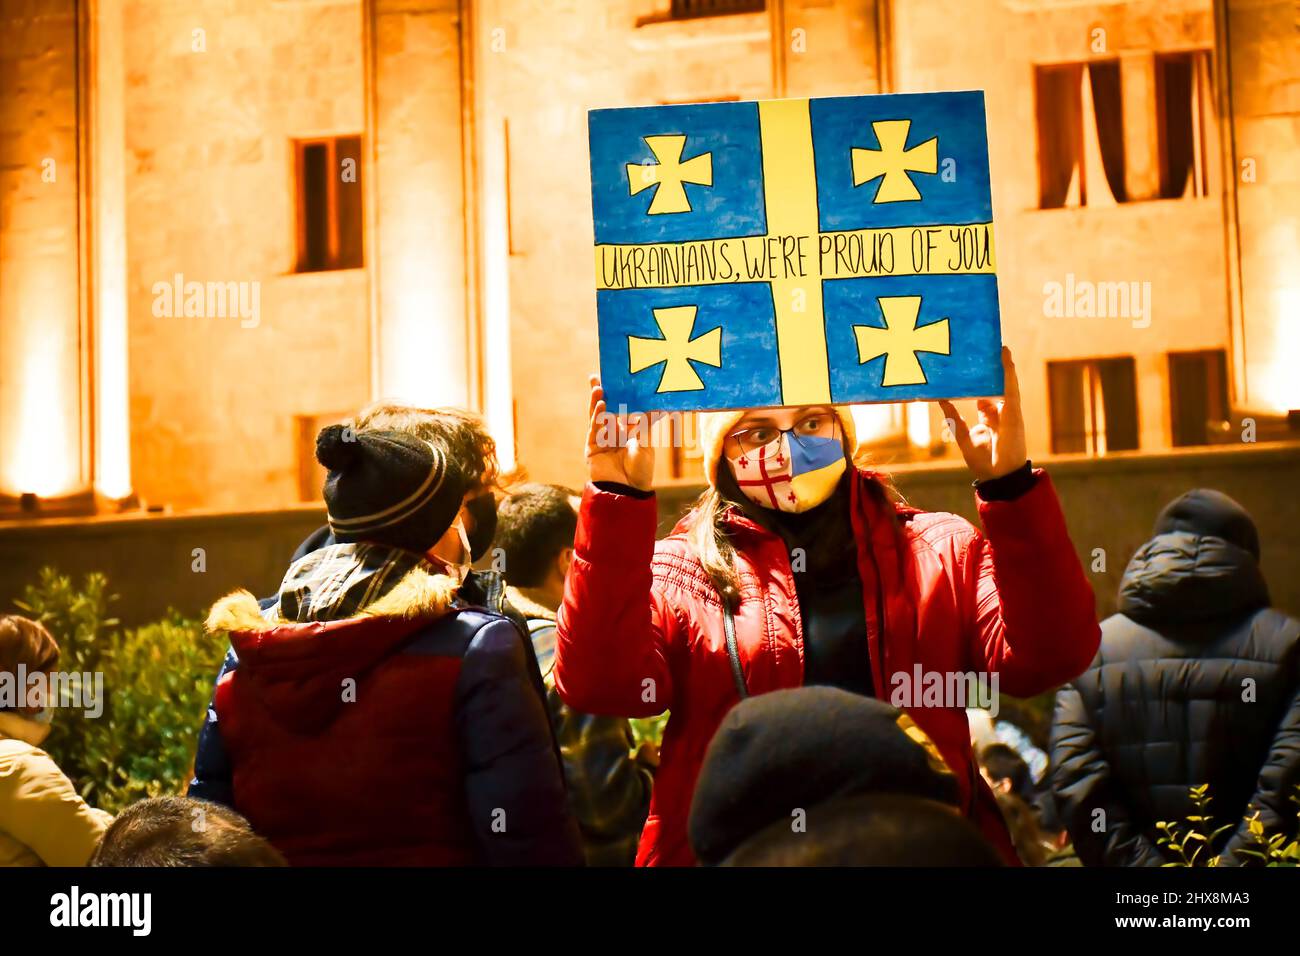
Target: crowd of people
{"points": [[449, 671]]}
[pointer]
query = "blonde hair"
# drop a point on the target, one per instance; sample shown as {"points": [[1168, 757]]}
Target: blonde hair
{"points": [[707, 537]]}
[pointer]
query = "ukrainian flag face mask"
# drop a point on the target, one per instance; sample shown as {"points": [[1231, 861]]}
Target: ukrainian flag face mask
{"points": [[795, 471]]}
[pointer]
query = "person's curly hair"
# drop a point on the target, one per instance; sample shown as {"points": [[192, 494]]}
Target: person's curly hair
{"points": [[461, 432]]}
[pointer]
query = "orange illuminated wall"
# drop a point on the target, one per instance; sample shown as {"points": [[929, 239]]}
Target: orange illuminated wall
{"points": [[42, 405]]}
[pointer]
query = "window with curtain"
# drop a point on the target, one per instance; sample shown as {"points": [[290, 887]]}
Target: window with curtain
{"points": [[1080, 112], [1198, 396], [1184, 101], [1058, 107], [1108, 122], [328, 173], [1093, 405], [691, 9]]}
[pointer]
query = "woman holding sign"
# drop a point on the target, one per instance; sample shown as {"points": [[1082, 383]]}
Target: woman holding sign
{"points": [[798, 567]]}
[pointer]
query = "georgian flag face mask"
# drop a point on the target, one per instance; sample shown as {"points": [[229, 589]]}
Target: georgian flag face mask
{"points": [[790, 473]]}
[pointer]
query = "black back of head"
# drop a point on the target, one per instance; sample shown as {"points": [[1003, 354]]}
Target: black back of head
{"points": [[791, 749], [871, 830], [1206, 512]]}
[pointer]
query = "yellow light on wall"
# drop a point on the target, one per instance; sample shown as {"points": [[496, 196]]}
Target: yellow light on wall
{"points": [[876, 423], [1279, 383], [498, 390], [113, 419], [112, 404], [420, 365], [918, 424], [41, 462], [498, 394], [40, 425]]}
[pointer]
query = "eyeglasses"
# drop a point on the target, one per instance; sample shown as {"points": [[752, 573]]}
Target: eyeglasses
{"points": [[748, 440]]}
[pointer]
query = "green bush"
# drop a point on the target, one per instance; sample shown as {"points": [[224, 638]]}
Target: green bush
{"points": [[157, 681], [1193, 840]]}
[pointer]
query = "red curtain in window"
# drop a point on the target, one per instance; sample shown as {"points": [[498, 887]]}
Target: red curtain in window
{"points": [[1108, 113]]}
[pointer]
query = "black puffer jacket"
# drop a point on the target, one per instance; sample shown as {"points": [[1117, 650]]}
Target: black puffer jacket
{"points": [[1195, 682]]}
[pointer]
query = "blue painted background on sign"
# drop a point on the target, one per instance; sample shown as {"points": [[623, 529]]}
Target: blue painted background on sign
{"points": [[842, 123], [735, 206], [749, 376], [732, 206], [968, 302]]}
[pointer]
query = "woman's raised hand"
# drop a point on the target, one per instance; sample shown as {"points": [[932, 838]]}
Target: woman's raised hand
{"points": [[618, 448], [996, 446]]}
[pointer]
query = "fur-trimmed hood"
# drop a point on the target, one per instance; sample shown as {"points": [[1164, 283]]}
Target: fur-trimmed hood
{"points": [[419, 595], [297, 668]]}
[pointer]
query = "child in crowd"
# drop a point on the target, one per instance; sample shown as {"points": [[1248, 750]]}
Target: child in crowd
{"points": [[43, 820]]}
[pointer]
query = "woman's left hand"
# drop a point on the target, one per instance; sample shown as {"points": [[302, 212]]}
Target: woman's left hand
{"points": [[996, 446]]}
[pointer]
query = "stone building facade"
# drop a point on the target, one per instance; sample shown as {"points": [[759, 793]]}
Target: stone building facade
{"points": [[225, 222]]}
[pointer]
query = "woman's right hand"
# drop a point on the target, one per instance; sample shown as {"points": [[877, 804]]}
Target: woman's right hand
{"points": [[615, 451]]}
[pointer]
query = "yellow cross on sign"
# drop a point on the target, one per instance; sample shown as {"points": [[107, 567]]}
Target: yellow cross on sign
{"points": [[893, 161], [669, 174], [900, 340], [676, 350]]}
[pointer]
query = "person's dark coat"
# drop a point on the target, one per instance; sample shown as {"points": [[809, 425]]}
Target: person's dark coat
{"points": [[399, 729], [1195, 683], [609, 788]]}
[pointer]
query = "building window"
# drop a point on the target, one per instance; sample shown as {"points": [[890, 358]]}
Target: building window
{"points": [[1093, 406], [1198, 396], [1080, 116], [692, 9], [311, 473], [328, 174], [1080, 112], [1183, 102]]}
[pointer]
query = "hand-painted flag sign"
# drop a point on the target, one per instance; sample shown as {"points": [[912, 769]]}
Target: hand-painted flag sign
{"points": [[795, 252]]}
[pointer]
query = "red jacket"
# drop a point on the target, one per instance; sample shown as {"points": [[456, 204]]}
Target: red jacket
{"points": [[641, 627], [439, 736]]}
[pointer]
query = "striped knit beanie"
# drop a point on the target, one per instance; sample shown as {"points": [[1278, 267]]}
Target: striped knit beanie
{"points": [[388, 487]]}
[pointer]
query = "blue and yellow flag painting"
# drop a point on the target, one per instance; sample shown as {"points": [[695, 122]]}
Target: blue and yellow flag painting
{"points": [[795, 252]]}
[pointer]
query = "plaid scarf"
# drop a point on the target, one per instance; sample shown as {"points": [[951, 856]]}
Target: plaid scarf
{"points": [[342, 580]]}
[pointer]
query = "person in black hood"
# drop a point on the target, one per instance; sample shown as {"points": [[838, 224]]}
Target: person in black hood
{"points": [[780, 759], [1195, 683]]}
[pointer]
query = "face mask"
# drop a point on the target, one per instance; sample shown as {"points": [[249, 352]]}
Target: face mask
{"points": [[790, 473], [483, 511]]}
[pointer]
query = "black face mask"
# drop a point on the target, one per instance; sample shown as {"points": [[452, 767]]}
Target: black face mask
{"points": [[483, 512]]}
